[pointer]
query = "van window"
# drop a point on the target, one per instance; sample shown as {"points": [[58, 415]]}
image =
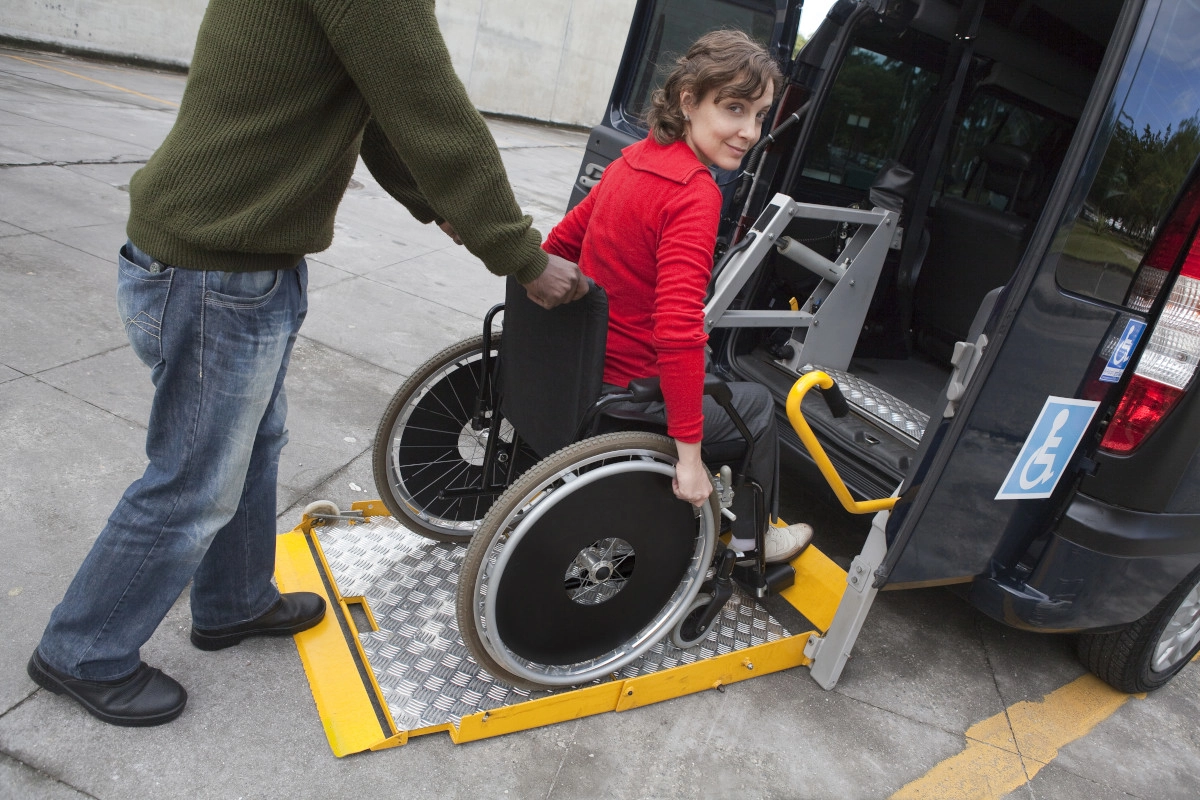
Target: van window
{"points": [[991, 119], [872, 108], [678, 23], [1155, 140]]}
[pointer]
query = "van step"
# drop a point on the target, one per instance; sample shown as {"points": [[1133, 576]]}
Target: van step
{"points": [[890, 413]]}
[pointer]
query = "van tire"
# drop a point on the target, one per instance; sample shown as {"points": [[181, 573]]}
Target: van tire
{"points": [[1124, 658]]}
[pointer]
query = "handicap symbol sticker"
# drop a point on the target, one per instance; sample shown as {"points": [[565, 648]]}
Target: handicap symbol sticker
{"points": [[1048, 448], [1121, 353]]}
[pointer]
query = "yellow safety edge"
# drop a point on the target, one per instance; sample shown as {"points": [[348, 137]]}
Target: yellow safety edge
{"points": [[347, 714], [352, 627], [818, 588], [350, 719]]}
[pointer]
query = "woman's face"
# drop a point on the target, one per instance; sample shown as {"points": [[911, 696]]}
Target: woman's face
{"points": [[721, 131]]}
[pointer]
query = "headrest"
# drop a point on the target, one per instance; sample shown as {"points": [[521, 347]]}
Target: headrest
{"points": [[892, 187], [1007, 155], [1007, 171]]}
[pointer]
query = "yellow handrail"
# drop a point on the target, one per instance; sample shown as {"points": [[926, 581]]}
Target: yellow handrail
{"points": [[795, 396]]}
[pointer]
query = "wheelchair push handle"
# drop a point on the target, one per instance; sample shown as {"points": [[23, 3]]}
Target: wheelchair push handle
{"points": [[839, 408]]}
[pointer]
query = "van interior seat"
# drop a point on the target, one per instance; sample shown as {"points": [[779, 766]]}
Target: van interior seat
{"points": [[974, 246]]}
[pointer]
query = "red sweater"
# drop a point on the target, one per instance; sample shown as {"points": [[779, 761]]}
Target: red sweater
{"points": [[646, 233]]}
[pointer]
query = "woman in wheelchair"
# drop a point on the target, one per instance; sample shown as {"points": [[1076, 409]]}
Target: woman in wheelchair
{"points": [[647, 233], [580, 557]]}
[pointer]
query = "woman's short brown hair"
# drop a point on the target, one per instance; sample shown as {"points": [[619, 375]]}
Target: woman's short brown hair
{"points": [[726, 60]]}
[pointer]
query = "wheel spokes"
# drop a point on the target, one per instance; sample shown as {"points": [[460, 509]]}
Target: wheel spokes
{"points": [[1180, 635]]}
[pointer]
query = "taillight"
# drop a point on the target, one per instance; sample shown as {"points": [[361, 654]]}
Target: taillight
{"points": [[1171, 355]]}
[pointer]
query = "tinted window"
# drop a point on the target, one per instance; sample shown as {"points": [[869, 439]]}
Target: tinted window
{"points": [[872, 108], [1155, 139], [678, 23], [991, 119]]}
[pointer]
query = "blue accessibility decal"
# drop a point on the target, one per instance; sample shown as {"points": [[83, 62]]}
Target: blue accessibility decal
{"points": [[1121, 353], [1048, 448]]}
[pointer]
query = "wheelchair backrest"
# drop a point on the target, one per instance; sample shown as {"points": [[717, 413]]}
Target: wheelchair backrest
{"points": [[551, 365]]}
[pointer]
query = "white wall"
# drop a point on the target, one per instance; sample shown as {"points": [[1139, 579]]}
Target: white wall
{"points": [[551, 60]]}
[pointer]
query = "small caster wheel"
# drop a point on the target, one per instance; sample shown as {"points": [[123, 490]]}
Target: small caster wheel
{"points": [[686, 634], [321, 508]]}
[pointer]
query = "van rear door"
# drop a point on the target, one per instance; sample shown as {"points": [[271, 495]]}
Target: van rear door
{"points": [[661, 31]]}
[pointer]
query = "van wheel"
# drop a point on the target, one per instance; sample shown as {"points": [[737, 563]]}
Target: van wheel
{"points": [[1145, 654]]}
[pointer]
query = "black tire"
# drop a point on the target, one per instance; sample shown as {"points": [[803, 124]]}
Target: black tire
{"points": [[426, 443], [1145, 654], [686, 634], [607, 501]]}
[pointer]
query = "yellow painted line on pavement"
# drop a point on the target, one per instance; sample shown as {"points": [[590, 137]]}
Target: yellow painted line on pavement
{"points": [[1004, 752], [93, 80]]}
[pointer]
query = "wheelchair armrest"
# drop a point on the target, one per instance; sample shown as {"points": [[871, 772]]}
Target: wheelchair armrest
{"points": [[645, 390], [719, 389]]}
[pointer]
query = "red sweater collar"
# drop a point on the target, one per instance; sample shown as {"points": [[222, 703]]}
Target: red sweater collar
{"points": [[675, 161]]}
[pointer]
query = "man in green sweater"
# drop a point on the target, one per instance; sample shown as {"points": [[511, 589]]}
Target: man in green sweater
{"points": [[282, 98]]}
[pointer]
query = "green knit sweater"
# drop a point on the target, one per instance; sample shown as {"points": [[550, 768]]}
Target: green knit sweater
{"points": [[281, 98]]}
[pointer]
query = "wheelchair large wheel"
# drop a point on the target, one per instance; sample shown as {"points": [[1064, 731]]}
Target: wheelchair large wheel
{"points": [[431, 439], [584, 563]]}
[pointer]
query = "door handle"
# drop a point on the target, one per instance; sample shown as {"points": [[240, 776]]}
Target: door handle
{"points": [[591, 175]]}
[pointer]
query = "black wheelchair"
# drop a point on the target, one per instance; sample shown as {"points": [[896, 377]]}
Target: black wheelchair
{"points": [[579, 556]]}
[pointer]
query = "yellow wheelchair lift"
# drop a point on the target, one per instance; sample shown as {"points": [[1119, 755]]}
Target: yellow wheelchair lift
{"points": [[388, 663]]}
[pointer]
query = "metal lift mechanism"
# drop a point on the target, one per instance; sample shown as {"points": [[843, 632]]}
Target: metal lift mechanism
{"points": [[825, 331], [825, 327]]}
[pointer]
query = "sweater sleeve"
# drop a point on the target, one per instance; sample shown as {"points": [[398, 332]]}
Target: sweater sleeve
{"points": [[393, 175], [395, 54], [688, 237], [566, 239]]}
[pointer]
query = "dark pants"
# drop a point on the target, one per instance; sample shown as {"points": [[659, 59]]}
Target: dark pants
{"points": [[756, 407]]}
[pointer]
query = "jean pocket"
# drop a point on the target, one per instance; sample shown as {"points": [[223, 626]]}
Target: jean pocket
{"points": [[241, 289], [142, 302]]}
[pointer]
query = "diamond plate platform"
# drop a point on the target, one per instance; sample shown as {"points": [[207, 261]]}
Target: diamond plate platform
{"points": [[388, 661], [890, 412], [422, 666]]}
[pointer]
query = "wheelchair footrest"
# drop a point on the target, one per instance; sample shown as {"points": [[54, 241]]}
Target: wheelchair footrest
{"points": [[780, 577]]}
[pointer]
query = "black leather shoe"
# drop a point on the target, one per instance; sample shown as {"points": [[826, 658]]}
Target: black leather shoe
{"points": [[147, 697], [294, 612]]}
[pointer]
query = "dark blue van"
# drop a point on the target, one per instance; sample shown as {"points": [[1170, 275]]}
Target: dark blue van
{"points": [[980, 217]]}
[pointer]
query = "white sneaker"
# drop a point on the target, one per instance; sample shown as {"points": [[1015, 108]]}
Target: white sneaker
{"points": [[784, 544]]}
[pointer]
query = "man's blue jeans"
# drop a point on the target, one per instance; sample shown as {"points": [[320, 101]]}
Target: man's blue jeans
{"points": [[217, 344]]}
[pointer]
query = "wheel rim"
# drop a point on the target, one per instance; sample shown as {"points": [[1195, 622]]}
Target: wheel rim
{"points": [[624, 585], [1181, 634], [435, 446]]}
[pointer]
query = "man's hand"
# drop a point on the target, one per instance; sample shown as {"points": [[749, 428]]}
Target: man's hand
{"points": [[561, 282], [448, 229]]}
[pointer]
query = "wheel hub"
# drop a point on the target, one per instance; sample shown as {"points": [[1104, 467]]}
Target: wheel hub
{"points": [[472, 442], [599, 571]]}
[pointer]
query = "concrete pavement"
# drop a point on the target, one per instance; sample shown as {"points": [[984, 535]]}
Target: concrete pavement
{"points": [[927, 673]]}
